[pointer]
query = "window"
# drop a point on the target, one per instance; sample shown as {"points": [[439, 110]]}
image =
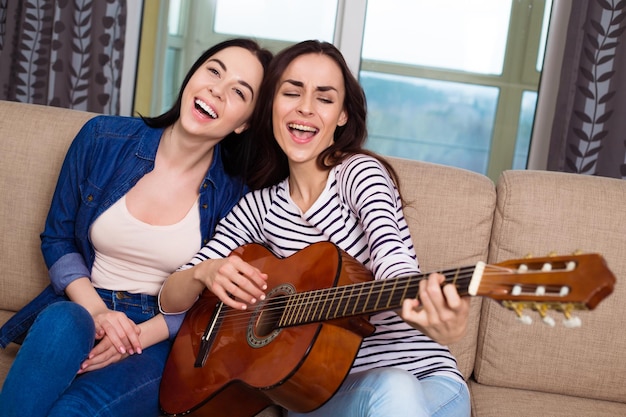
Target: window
{"points": [[430, 120], [277, 19], [450, 82], [460, 89]]}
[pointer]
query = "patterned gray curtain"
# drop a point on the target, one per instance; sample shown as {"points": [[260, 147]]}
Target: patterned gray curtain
{"points": [[63, 53], [589, 129]]}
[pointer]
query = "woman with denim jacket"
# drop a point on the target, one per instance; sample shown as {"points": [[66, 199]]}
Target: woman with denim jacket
{"points": [[135, 199]]}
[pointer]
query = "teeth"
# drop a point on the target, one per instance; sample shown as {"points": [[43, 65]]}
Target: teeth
{"points": [[208, 110], [302, 127]]}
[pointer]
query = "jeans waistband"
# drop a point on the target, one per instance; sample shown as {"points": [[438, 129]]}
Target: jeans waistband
{"points": [[126, 297]]}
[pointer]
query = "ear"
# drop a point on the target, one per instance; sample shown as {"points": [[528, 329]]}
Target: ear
{"points": [[343, 118], [241, 128]]}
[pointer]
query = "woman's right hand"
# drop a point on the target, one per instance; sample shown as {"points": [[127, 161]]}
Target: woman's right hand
{"points": [[122, 331], [234, 281]]}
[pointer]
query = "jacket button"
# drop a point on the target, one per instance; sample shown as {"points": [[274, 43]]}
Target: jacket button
{"points": [[205, 206], [90, 198]]}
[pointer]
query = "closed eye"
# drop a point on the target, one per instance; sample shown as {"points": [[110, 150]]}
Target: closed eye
{"points": [[240, 93], [213, 71]]}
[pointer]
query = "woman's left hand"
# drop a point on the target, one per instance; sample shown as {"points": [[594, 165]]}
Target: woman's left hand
{"points": [[152, 331], [103, 354], [441, 313]]}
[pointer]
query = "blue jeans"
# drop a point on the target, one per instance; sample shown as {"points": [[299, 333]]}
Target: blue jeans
{"points": [[388, 392], [43, 382]]}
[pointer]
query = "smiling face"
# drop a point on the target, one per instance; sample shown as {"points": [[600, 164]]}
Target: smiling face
{"points": [[220, 95], [308, 107]]}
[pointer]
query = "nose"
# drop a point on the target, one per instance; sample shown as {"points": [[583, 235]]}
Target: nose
{"points": [[216, 90], [305, 106]]}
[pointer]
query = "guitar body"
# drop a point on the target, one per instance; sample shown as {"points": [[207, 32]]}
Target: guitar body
{"points": [[251, 365], [295, 348]]}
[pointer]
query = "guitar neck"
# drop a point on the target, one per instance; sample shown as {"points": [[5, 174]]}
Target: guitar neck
{"points": [[360, 299]]}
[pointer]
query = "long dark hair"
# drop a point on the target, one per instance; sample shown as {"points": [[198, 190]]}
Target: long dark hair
{"points": [[271, 165], [235, 148]]}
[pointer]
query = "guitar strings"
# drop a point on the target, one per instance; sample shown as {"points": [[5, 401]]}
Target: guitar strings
{"points": [[300, 304], [304, 300]]}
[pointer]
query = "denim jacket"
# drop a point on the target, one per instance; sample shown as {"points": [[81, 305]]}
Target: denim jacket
{"points": [[106, 159]]}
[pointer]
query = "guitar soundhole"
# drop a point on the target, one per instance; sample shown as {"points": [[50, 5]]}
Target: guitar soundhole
{"points": [[263, 324]]}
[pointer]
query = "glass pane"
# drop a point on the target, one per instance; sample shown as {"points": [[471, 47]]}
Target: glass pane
{"points": [[436, 121], [174, 23], [524, 130], [171, 73], [453, 34], [544, 34], [288, 20]]}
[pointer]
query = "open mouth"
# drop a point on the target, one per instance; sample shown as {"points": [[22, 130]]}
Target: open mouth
{"points": [[205, 108], [302, 131]]}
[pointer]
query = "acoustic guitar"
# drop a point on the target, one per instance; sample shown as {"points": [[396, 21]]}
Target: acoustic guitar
{"points": [[295, 348]]}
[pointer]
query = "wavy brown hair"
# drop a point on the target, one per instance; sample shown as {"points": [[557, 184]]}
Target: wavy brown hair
{"points": [[271, 164], [235, 148]]}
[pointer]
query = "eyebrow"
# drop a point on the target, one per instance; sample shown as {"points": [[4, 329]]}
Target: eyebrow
{"points": [[301, 84], [242, 82]]}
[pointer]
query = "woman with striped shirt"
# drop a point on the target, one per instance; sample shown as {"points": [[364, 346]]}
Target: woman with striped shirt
{"points": [[315, 182]]}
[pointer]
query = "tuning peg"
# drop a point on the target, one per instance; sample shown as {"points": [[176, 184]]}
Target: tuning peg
{"points": [[570, 321], [577, 252], [552, 254], [528, 255], [542, 310], [518, 308]]}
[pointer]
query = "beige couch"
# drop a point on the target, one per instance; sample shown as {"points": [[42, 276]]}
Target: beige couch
{"points": [[456, 217]]}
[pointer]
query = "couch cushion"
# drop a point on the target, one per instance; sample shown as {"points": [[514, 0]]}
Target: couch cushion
{"points": [[450, 212], [490, 401], [32, 147], [539, 212]]}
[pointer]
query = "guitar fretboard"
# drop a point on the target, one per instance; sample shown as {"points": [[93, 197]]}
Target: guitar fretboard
{"points": [[354, 300]]}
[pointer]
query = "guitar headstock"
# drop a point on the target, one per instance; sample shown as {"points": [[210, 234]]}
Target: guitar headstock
{"points": [[559, 283]]}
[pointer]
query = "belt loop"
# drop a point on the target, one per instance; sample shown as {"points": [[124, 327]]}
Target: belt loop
{"points": [[108, 297], [146, 302]]}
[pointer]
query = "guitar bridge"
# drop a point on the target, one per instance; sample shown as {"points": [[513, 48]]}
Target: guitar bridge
{"points": [[209, 335]]}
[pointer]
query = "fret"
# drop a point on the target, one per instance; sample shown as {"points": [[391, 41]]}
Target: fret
{"points": [[356, 308], [307, 305], [298, 310], [318, 309], [335, 302], [340, 302], [366, 304], [317, 305], [392, 293], [380, 293], [407, 285], [456, 276], [347, 300], [284, 319]]}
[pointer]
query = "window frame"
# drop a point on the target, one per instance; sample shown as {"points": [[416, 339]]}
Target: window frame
{"points": [[519, 73]]}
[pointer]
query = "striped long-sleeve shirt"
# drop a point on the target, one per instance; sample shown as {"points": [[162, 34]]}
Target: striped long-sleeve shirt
{"points": [[360, 211]]}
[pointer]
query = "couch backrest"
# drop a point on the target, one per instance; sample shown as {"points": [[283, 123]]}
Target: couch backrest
{"points": [[33, 142], [450, 213], [450, 210], [539, 212]]}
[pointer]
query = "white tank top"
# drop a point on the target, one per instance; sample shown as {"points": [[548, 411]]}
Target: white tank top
{"points": [[137, 257]]}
